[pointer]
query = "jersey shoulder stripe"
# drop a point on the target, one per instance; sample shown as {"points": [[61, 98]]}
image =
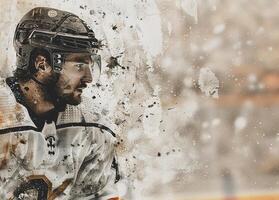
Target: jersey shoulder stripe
{"points": [[86, 124]]}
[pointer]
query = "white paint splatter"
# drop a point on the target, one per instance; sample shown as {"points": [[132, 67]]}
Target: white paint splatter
{"points": [[190, 7], [219, 28], [208, 82], [240, 123]]}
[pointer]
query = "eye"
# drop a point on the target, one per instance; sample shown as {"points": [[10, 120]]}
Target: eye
{"points": [[79, 66]]}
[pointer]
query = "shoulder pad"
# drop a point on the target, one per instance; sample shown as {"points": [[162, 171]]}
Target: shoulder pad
{"points": [[12, 114]]}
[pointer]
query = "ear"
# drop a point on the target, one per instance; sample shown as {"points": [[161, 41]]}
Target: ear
{"points": [[41, 64]]}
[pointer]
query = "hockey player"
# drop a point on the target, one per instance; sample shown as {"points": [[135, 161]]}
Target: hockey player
{"points": [[50, 146]]}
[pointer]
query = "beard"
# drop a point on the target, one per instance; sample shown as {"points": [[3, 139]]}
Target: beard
{"points": [[69, 93], [61, 96], [70, 98], [61, 90]]}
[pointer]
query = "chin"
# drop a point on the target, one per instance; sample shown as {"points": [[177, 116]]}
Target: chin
{"points": [[72, 99], [75, 101]]}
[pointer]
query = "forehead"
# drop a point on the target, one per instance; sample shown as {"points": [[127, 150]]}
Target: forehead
{"points": [[79, 57]]}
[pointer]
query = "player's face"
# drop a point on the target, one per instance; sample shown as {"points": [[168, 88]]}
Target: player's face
{"points": [[74, 76]]}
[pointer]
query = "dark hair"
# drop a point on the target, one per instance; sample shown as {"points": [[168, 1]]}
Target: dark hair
{"points": [[27, 73]]}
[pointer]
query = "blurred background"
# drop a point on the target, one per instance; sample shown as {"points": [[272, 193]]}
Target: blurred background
{"points": [[190, 87]]}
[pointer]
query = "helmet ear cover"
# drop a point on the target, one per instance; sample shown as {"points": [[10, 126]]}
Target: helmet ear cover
{"points": [[57, 61]]}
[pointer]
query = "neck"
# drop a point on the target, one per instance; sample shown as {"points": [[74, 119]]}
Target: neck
{"points": [[35, 97]]}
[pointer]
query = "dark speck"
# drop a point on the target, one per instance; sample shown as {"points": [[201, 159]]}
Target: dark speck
{"points": [[212, 92], [113, 62], [159, 154], [65, 157], [114, 27], [22, 141]]}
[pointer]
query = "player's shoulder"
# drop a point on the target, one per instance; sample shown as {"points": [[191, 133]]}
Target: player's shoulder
{"points": [[13, 115]]}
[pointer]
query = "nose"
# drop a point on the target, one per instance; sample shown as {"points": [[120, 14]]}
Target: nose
{"points": [[87, 78]]}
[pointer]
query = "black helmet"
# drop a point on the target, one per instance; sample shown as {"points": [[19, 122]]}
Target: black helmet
{"points": [[58, 32]]}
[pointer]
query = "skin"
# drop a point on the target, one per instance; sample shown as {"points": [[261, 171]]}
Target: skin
{"points": [[73, 78]]}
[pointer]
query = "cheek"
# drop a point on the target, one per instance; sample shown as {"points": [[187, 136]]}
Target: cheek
{"points": [[68, 81], [63, 82]]}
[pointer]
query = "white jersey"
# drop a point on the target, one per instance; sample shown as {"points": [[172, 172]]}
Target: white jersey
{"points": [[71, 159]]}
